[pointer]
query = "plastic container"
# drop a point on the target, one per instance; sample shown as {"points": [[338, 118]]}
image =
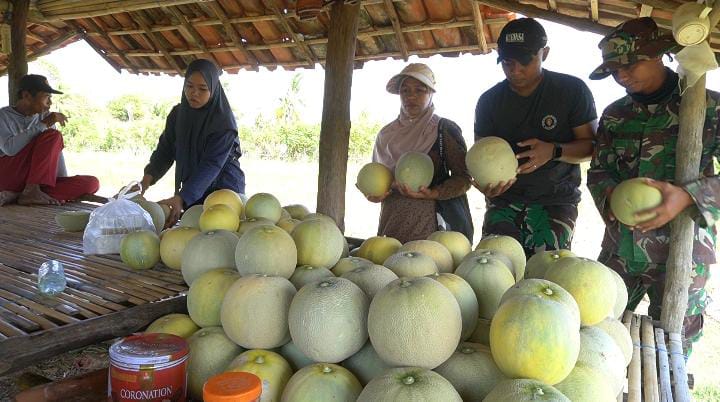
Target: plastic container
{"points": [[149, 368], [51, 278], [233, 387]]}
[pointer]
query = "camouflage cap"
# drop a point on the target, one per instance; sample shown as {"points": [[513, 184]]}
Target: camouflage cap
{"points": [[632, 41]]}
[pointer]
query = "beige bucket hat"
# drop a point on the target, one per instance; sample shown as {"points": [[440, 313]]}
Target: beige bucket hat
{"points": [[419, 71]]}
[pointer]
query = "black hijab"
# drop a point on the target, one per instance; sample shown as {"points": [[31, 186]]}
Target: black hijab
{"points": [[193, 127]]}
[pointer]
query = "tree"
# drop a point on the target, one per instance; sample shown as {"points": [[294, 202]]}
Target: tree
{"points": [[287, 112]]}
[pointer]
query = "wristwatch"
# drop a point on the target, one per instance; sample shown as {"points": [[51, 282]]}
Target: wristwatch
{"points": [[557, 152]]}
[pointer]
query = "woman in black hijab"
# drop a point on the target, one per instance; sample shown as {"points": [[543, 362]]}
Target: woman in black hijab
{"points": [[201, 137]]}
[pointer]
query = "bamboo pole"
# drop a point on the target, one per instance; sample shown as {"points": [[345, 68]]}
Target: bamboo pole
{"points": [[531, 11], [17, 66], [69, 11], [677, 366], [479, 27], [397, 28], [335, 125], [634, 371], [663, 367], [649, 362]]}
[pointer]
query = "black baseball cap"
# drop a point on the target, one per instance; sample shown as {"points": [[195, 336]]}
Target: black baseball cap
{"points": [[520, 39], [37, 83]]}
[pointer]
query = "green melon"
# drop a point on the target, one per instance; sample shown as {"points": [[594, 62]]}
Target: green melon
{"points": [[489, 278], [272, 369], [254, 312], [176, 324], [347, 264], [294, 356], [481, 334], [208, 251], [539, 263], [409, 384], [371, 278], [599, 352], [297, 211], [455, 242], [407, 307], [586, 385], [330, 309], [411, 264], [319, 243], [634, 196], [210, 352], [140, 249], [415, 170], [590, 283], [73, 221], [251, 223], [465, 296], [156, 213], [525, 390], [266, 250], [284, 214], [286, 224], [305, 274], [318, 215], [472, 371], [374, 179], [490, 161], [366, 364], [191, 217], [511, 248], [263, 205], [439, 253], [322, 382], [621, 295], [546, 290], [620, 335], [536, 338], [484, 252], [378, 248], [206, 295]]}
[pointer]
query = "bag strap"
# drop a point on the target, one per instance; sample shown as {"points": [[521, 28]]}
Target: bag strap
{"points": [[123, 194], [441, 143]]}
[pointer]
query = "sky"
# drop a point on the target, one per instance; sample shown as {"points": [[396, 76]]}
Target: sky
{"points": [[460, 80]]}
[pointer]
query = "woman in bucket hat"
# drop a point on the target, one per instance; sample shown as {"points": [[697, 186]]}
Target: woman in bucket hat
{"points": [[412, 215]]}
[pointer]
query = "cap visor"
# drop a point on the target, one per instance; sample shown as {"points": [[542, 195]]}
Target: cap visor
{"points": [[521, 55]]}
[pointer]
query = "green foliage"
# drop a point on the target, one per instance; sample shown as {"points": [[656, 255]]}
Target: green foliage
{"points": [[128, 107]]}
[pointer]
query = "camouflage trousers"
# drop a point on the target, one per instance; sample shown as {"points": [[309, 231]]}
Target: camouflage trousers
{"points": [[537, 227], [644, 277]]}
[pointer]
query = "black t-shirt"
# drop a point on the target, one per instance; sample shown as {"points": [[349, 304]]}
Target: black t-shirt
{"points": [[559, 103]]}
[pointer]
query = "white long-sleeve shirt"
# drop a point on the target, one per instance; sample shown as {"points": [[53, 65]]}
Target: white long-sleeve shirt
{"points": [[17, 130]]}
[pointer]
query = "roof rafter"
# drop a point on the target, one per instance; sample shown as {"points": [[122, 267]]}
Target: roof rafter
{"points": [[479, 27], [190, 30], [105, 55], [234, 35], [309, 56], [143, 24], [392, 14], [594, 10], [535, 12]]}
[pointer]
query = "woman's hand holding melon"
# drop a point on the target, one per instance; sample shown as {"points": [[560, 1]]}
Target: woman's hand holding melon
{"points": [[423, 193]]}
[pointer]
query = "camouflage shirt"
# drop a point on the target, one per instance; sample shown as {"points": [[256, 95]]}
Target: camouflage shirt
{"points": [[637, 140]]}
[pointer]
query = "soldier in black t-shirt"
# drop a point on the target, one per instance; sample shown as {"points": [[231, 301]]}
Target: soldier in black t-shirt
{"points": [[549, 119]]}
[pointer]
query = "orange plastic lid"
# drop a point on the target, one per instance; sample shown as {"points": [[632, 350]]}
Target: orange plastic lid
{"points": [[235, 386]]}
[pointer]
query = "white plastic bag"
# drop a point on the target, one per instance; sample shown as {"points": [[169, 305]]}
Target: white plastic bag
{"points": [[111, 222]]}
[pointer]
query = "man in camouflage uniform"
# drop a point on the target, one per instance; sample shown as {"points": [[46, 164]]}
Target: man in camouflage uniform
{"points": [[636, 137]]}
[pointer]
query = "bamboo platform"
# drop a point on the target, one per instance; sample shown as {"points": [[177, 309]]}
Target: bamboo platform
{"points": [[103, 299]]}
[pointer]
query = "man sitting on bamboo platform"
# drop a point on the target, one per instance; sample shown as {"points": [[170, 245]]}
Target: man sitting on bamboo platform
{"points": [[637, 138], [31, 162]]}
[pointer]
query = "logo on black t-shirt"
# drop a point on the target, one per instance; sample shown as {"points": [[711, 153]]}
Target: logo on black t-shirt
{"points": [[549, 122]]}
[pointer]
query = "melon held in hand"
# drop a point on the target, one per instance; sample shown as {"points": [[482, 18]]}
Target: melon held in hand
{"points": [[490, 161]]}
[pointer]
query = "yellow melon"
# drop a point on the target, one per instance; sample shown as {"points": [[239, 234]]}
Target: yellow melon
{"points": [[332, 308], [305, 274], [284, 214], [465, 296], [175, 324], [545, 289], [218, 216], [632, 197], [511, 248], [414, 322], [586, 385], [366, 364], [409, 384], [524, 390], [206, 295], [599, 352], [227, 197], [263, 205], [370, 278], [272, 369], [411, 264], [347, 264], [472, 371], [251, 223], [621, 295], [620, 335], [318, 215], [266, 250], [539, 263], [374, 179], [208, 251], [415, 170], [536, 338], [191, 217], [294, 356], [489, 278], [457, 244], [172, 245], [254, 312], [436, 251], [378, 248], [322, 382], [491, 160], [297, 211], [319, 243], [210, 352], [590, 283], [286, 224], [140, 249]]}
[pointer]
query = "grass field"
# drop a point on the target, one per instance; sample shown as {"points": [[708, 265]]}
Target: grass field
{"points": [[296, 182]]}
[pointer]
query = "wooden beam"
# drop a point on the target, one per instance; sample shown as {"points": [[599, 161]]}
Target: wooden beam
{"points": [[397, 27], [553, 5], [531, 11], [661, 4], [17, 60], [142, 23], [645, 11], [230, 29], [479, 27], [594, 11], [335, 124], [190, 31], [304, 49], [102, 33], [65, 10]]}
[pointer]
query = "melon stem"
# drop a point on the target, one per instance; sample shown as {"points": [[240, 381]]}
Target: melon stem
{"points": [[409, 380], [548, 291]]}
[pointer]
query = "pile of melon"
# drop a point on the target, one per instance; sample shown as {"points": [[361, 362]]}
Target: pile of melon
{"points": [[429, 320]]}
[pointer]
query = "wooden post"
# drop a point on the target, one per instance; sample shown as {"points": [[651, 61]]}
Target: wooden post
{"points": [[17, 67], [335, 125], [687, 166]]}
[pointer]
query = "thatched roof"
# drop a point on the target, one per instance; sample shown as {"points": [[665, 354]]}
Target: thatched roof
{"points": [[153, 36]]}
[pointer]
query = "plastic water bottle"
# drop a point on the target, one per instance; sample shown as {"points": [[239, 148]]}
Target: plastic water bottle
{"points": [[51, 278]]}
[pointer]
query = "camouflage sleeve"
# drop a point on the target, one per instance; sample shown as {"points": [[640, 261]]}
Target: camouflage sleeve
{"points": [[600, 175]]}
